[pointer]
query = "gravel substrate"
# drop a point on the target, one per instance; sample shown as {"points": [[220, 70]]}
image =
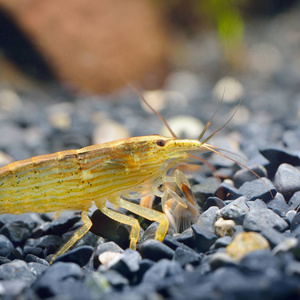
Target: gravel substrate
{"points": [[245, 244]]}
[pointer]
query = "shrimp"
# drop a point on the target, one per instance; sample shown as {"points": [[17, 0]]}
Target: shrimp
{"points": [[108, 172]]}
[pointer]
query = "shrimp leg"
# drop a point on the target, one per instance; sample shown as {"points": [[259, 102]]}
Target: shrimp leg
{"points": [[135, 226], [87, 224], [149, 214]]}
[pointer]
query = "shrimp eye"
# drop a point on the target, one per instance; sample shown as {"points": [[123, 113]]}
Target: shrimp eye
{"points": [[160, 143]]}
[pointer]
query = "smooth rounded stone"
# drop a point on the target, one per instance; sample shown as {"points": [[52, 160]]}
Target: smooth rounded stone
{"points": [[127, 263], [6, 245], [294, 202], [16, 269], [221, 259], [259, 219], [155, 250], [32, 258], [38, 269], [204, 238], [224, 227], [287, 180], [244, 175], [162, 269], [260, 261], [246, 242], [186, 256], [260, 188], [221, 242], [290, 216], [205, 189], [278, 205], [33, 250], [227, 192], [172, 243], [236, 210], [105, 247], [17, 232], [277, 156], [286, 245], [213, 201], [80, 255], [61, 279]]}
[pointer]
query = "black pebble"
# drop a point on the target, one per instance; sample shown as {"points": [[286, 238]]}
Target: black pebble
{"points": [[155, 250], [204, 238], [162, 269], [186, 256], [244, 175], [17, 232], [128, 263], [80, 255], [213, 201], [277, 156], [260, 188]]}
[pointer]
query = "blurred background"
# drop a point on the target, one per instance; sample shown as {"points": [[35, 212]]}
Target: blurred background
{"points": [[65, 66]]}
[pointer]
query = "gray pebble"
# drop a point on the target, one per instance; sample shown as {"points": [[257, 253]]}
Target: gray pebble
{"points": [[127, 263], [287, 180], [278, 205], [16, 269], [236, 210], [185, 256], [259, 219], [161, 270], [6, 246], [294, 202]]}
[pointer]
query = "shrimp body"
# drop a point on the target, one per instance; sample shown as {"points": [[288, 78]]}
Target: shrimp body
{"points": [[75, 179]]}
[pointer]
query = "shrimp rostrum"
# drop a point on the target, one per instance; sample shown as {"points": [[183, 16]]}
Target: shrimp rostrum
{"points": [[77, 179]]}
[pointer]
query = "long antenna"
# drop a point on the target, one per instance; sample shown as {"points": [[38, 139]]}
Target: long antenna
{"points": [[153, 110]]}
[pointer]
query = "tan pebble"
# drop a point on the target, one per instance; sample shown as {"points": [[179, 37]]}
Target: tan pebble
{"points": [[245, 243], [109, 258], [109, 130], [224, 227], [157, 100], [10, 101], [229, 89], [59, 115], [184, 127]]}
